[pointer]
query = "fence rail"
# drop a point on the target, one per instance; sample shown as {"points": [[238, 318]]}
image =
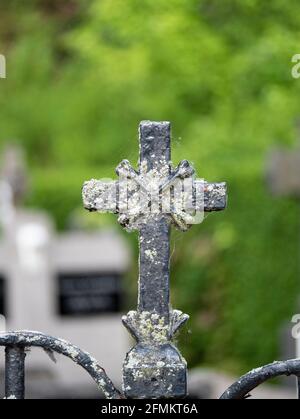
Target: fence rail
{"points": [[16, 343], [248, 382]]}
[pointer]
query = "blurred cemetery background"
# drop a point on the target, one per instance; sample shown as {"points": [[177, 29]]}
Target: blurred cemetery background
{"points": [[81, 74]]}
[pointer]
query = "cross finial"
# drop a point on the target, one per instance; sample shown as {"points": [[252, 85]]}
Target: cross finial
{"points": [[150, 200]]}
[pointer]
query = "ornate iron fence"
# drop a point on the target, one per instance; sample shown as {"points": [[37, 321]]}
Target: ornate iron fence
{"points": [[17, 343], [153, 368]]}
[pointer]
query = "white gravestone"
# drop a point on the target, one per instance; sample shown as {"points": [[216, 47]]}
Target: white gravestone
{"points": [[67, 285]]}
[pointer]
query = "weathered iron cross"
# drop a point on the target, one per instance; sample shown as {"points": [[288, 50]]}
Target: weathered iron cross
{"points": [[150, 200]]}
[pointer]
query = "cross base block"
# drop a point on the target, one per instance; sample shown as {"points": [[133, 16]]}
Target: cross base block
{"points": [[153, 372]]}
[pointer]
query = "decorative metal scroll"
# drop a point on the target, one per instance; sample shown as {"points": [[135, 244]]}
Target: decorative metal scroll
{"points": [[16, 344], [241, 389]]}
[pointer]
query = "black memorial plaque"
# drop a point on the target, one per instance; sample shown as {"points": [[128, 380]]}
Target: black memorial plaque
{"points": [[89, 293]]}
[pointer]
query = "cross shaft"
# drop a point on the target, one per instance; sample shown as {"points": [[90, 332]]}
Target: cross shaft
{"points": [[154, 237]]}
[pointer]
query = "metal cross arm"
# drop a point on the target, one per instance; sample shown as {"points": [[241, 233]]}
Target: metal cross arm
{"points": [[150, 200]]}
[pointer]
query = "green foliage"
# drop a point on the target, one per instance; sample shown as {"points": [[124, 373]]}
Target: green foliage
{"points": [[81, 75]]}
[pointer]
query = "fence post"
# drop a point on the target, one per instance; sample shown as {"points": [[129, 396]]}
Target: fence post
{"points": [[14, 372]]}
